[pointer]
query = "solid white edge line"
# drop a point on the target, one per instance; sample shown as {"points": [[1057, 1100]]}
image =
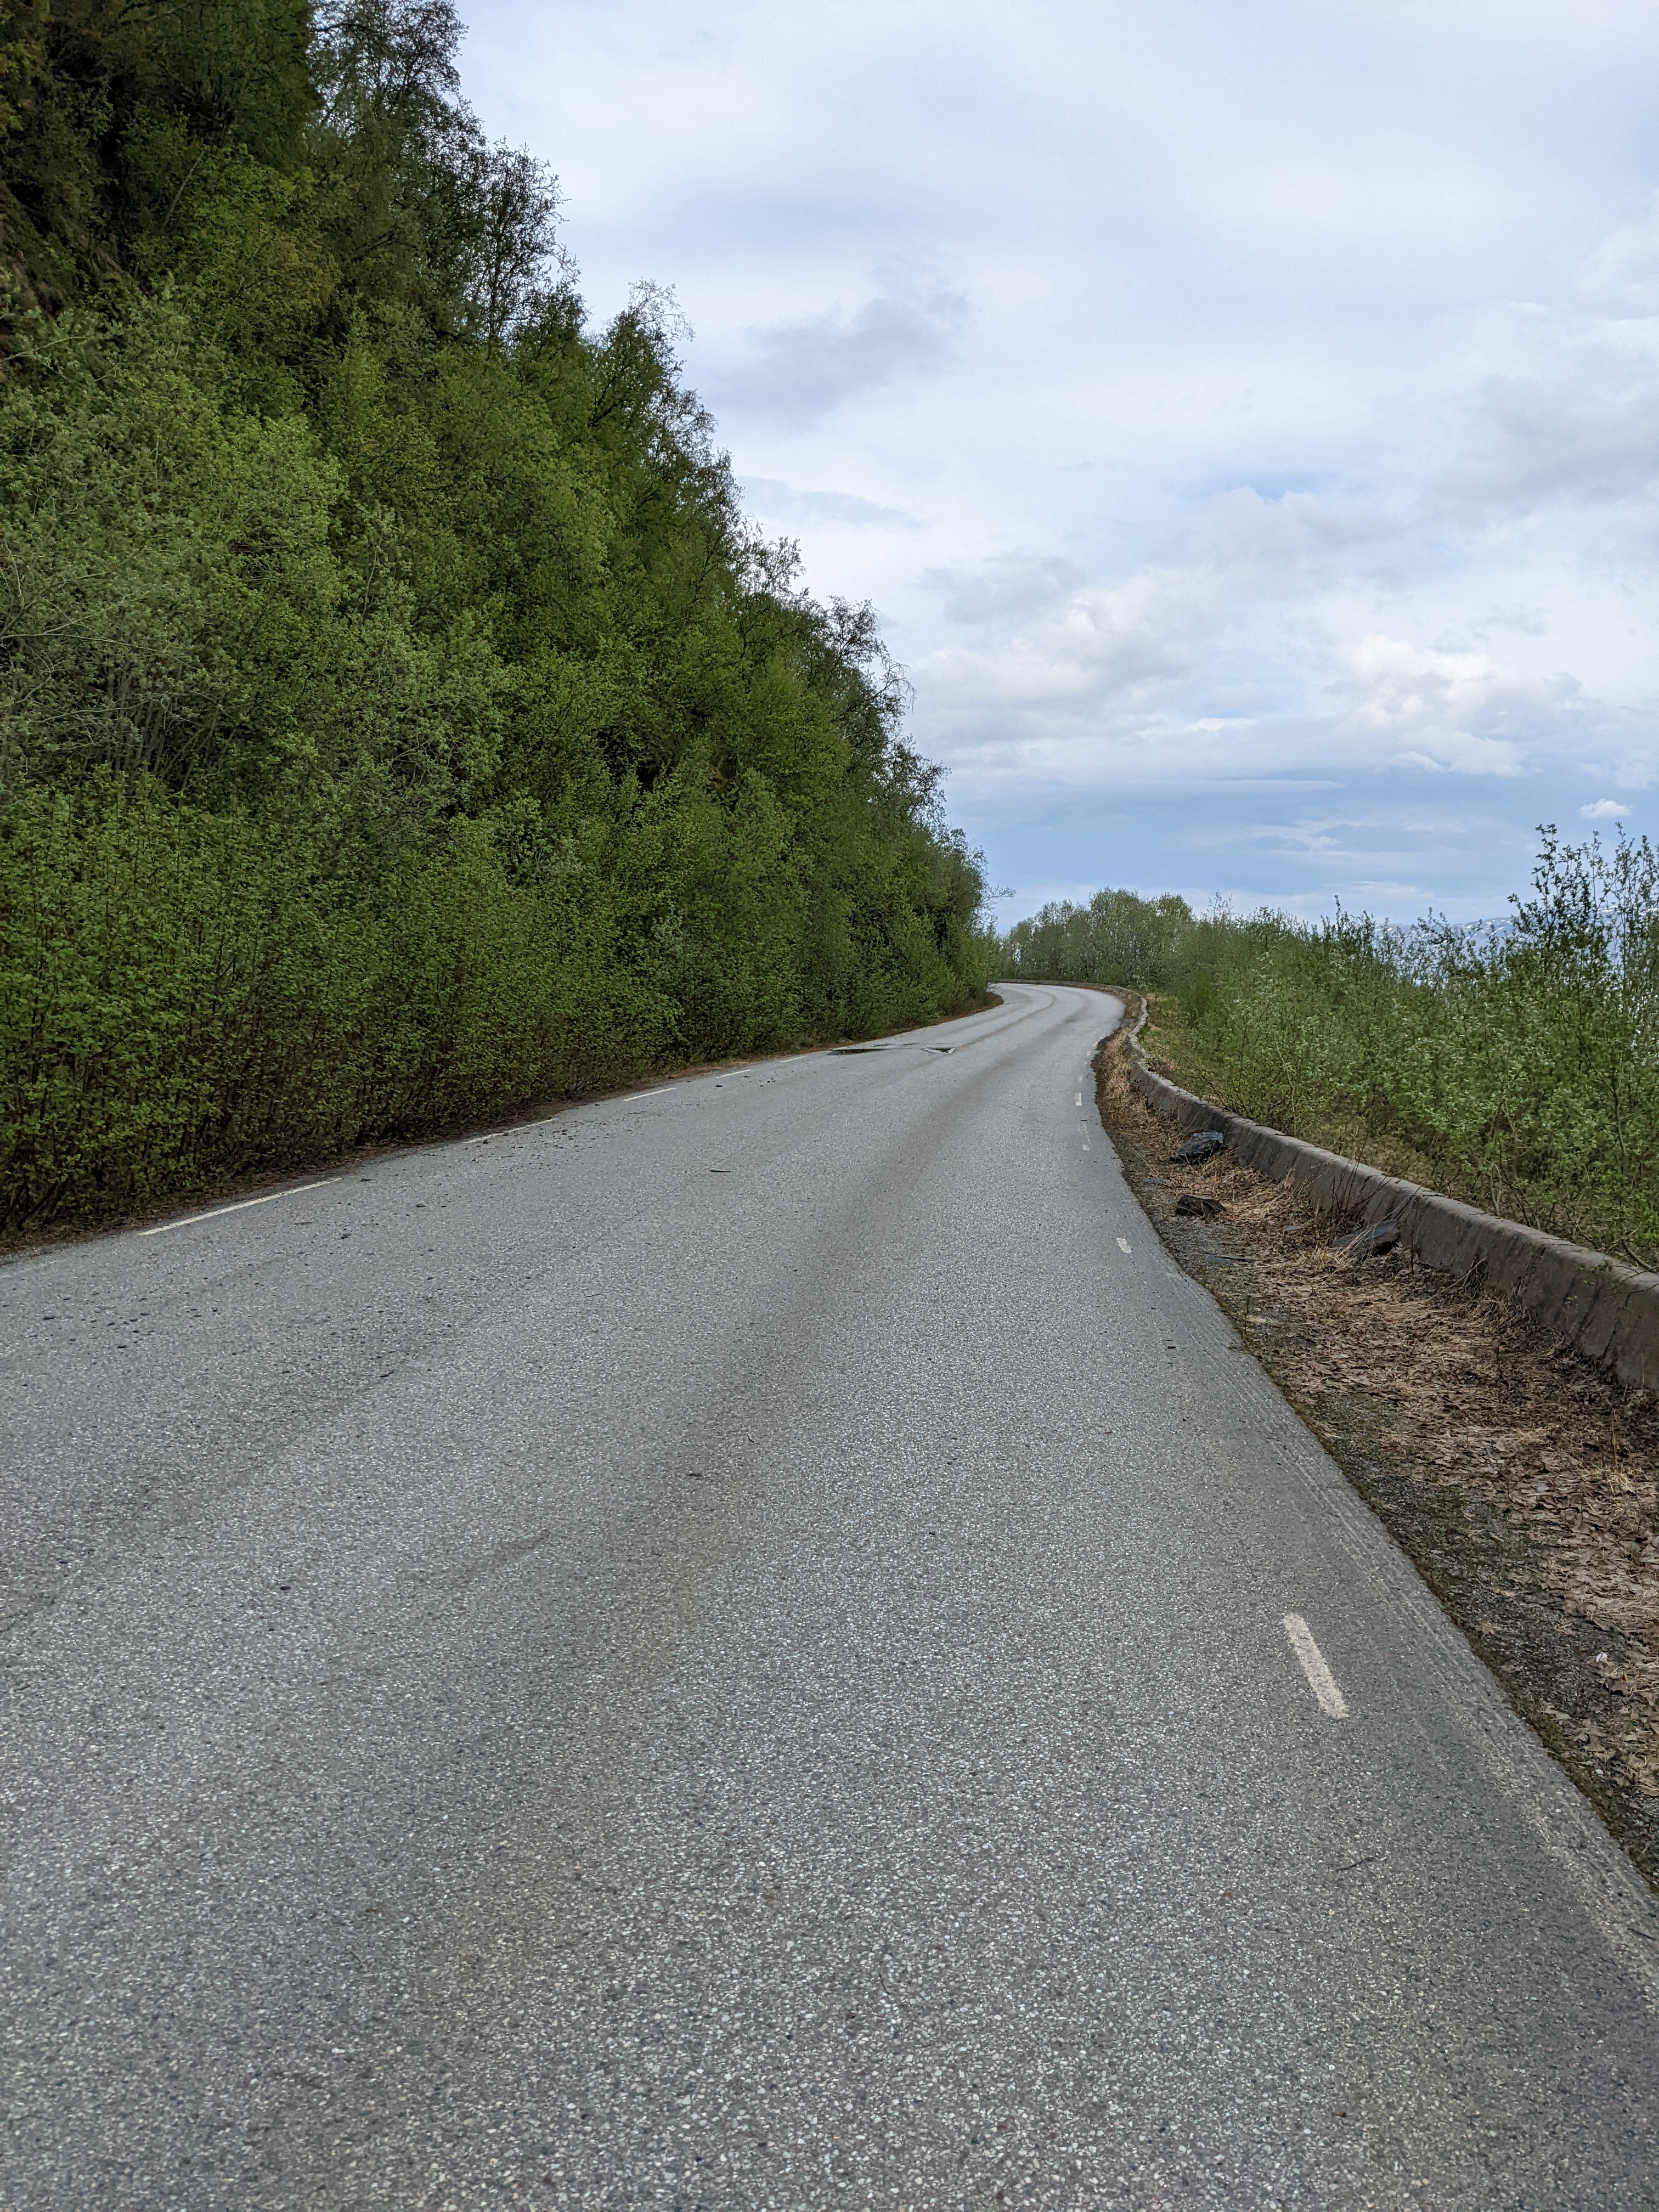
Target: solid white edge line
{"points": [[240, 1205], [1321, 1681], [518, 1128], [515, 1129]]}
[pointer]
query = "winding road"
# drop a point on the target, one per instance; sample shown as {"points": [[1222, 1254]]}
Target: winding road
{"points": [[756, 1645]]}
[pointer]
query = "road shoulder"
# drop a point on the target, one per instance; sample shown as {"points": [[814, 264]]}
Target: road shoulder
{"points": [[1519, 1480]]}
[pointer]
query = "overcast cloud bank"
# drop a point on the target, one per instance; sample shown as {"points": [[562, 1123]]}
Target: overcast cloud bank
{"points": [[1245, 418]]}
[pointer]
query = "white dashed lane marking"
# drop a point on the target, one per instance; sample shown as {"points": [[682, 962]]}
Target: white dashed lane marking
{"points": [[240, 1207], [1321, 1681], [516, 1129]]}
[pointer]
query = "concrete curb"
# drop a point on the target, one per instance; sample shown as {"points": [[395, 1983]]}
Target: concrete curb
{"points": [[1604, 1310]]}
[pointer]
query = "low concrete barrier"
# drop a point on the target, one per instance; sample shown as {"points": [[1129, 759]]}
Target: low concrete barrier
{"points": [[1604, 1310]]}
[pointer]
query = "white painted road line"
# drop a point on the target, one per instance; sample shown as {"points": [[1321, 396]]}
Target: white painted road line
{"points": [[1321, 1681], [519, 1128], [239, 1207], [1123, 1246], [1079, 1097], [515, 1129]]}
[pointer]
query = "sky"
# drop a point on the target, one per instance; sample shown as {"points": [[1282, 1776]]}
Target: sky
{"points": [[1243, 414]]}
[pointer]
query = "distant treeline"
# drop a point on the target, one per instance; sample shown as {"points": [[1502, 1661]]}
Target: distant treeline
{"points": [[1514, 1064], [399, 721]]}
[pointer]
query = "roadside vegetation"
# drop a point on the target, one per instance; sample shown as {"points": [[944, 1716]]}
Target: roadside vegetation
{"points": [[1519, 1477], [1513, 1063], [399, 720]]}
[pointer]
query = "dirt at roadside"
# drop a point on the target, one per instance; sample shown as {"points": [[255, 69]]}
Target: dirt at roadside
{"points": [[1522, 1482]]}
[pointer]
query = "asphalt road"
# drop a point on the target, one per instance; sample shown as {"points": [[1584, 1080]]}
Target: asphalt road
{"points": [[729, 1651]]}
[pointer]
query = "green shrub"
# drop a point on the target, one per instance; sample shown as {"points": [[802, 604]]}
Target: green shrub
{"points": [[1514, 1064], [399, 721]]}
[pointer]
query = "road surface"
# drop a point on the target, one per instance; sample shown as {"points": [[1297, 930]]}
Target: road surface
{"points": [[730, 1649]]}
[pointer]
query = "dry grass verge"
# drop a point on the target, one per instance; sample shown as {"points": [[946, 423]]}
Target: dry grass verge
{"points": [[1520, 1480]]}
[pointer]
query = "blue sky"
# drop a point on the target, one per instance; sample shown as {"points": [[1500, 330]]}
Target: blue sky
{"points": [[1244, 414]]}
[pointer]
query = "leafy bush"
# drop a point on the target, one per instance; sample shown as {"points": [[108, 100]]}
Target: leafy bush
{"points": [[1516, 1064]]}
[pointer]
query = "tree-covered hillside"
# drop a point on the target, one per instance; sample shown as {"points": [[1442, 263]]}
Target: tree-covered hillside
{"points": [[399, 720]]}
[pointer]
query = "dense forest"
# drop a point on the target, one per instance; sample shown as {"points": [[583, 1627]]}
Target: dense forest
{"points": [[1513, 1063], [399, 720]]}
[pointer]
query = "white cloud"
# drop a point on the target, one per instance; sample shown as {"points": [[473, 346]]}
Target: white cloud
{"points": [[1584, 439], [798, 372], [1297, 540], [833, 510], [1302, 431], [1005, 589], [1449, 712], [1604, 810], [1622, 274]]}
